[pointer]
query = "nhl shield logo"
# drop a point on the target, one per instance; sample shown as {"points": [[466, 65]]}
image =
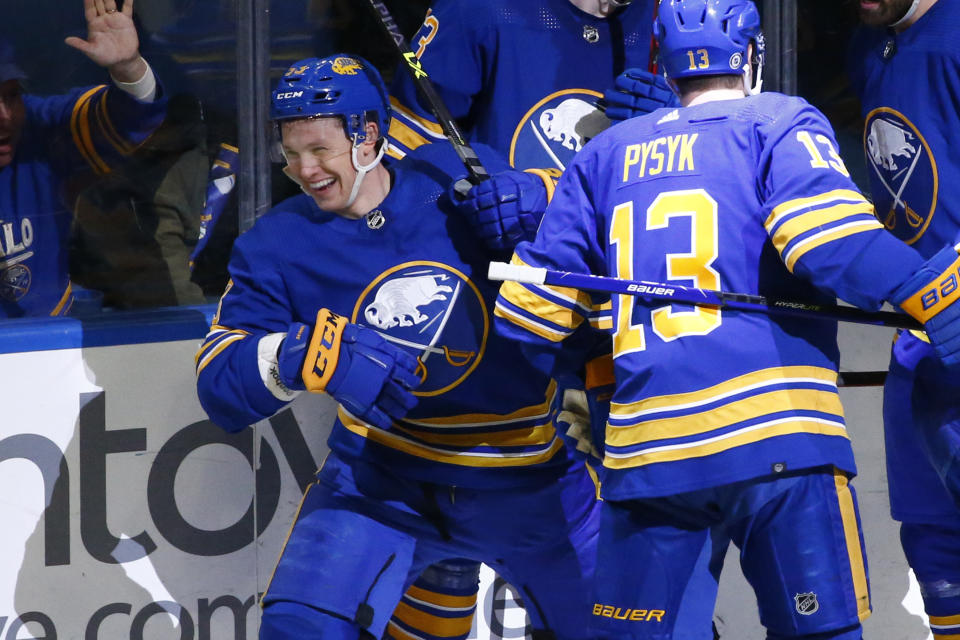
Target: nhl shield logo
{"points": [[806, 603]]}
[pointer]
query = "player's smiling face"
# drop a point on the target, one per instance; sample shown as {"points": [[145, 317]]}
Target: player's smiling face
{"points": [[318, 159]]}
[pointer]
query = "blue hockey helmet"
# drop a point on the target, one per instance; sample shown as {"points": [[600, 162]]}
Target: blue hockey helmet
{"points": [[341, 85], [709, 37]]}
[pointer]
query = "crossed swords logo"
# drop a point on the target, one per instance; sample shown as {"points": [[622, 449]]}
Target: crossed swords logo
{"points": [[890, 220], [454, 357]]}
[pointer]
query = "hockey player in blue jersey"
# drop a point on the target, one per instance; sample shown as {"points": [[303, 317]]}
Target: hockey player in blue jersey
{"points": [[905, 72], [48, 142], [725, 425], [525, 78], [444, 445]]}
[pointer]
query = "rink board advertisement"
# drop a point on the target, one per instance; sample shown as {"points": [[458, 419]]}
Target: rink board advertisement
{"points": [[127, 514]]}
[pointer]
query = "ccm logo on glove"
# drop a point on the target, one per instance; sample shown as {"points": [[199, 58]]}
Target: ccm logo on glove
{"points": [[326, 344]]}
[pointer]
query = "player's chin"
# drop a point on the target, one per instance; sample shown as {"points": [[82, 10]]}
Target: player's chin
{"points": [[874, 14]]}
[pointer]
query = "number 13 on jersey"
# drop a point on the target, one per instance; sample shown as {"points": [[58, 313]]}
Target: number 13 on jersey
{"points": [[692, 267]]}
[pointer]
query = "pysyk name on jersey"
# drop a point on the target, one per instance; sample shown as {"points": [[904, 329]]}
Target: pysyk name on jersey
{"points": [[666, 154]]}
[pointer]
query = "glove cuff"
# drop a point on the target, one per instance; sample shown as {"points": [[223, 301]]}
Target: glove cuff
{"points": [[281, 386], [935, 286], [324, 350]]}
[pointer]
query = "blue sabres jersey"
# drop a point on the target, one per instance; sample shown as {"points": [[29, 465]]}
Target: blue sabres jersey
{"points": [[522, 77], [910, 143], [744, 195], [65, 139], [484, 416]]}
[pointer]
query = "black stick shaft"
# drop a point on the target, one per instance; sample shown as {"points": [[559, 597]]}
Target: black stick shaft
{"points": [[422, 81]]}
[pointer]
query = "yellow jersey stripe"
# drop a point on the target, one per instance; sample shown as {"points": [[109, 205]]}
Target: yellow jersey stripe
{"points": [[528, 436], [792, 206], [740, 384], [428, 127], [801, 248], [704, 422], [746, 436], [80, 130], [405, 135], [213, 353], [64, 299], [548, 333], [216, 333], [463, 458], [110, 132], [544, 309], [813, 219]]}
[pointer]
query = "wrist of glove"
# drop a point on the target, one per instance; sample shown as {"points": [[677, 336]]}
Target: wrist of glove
{"points": [[582, 422], [932, 296], [371, 378], [506, 209], [636, 92]]}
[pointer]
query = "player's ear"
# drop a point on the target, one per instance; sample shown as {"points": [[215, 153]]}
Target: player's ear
{"points": [[369, 145]]}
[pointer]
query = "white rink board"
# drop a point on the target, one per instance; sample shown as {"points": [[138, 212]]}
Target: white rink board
{"points": [[149, 523]]}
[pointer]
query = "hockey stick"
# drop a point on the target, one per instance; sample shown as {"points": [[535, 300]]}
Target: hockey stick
{"points": [[861, 378], [420, 78], [692, 295]]}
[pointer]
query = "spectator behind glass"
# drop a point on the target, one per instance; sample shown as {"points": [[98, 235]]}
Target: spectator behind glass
{"points": [[157, 232], [51, 146]]}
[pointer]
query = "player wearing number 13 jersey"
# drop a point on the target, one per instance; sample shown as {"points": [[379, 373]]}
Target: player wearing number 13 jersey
{"points": [[724, 425]]}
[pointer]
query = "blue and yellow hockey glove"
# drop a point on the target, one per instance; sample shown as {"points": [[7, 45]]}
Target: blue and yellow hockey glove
{"points": [[507, 208], [636, 92], [932, 296], [370, 377]]}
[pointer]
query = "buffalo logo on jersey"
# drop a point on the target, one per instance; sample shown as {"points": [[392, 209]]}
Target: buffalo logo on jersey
{"points": [[903, 173], [556, 128], [346, 66], [14, 282], [435, 313]]}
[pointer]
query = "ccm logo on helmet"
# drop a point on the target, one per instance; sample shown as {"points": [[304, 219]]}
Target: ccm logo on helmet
{"points": [[289, 94]]}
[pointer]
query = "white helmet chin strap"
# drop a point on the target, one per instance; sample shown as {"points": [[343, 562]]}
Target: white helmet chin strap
{"points": [[363, 169], [909, 14], [748, 79]]}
